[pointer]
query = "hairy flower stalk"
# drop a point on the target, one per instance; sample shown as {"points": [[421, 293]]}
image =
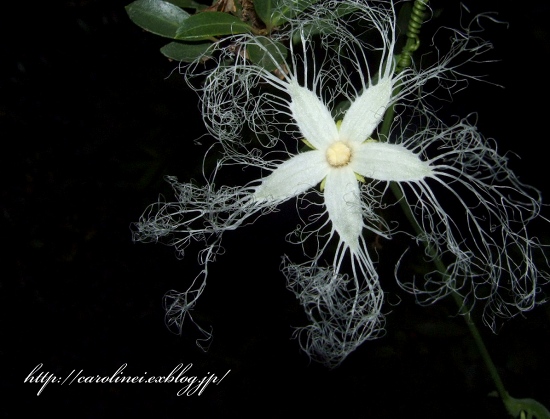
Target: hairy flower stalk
{"points": [[471, 209]]}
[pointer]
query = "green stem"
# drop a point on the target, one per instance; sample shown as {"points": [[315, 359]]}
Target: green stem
{"points": [[405, 58], [524, 408], [404, 61], [457, 297], [482, 348]]}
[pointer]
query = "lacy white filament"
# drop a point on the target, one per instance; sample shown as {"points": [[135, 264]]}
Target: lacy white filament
{"points": [[330, 94]]}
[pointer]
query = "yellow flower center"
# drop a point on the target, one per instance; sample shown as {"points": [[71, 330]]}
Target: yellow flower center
{"points": [[338, 154]]}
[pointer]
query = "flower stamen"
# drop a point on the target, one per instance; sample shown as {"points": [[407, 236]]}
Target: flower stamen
{"points": [[338, 154]]}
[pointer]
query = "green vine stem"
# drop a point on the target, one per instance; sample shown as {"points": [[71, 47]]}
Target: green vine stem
{"points": [[412, 43], [517, 408]]}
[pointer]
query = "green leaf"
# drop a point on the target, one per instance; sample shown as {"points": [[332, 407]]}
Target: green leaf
{"points": [[206, 25], [280, 14], [263, 9], [188, 4], [319, 27], [267, 53], [403, 18], [276, 12], [157, 16], [526, 408], [340, 110], [186, 52]]}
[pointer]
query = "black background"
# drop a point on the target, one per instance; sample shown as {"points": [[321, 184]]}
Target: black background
{"points": [[90, 122]]}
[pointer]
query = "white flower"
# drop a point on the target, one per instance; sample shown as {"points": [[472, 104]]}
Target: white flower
{"points": [[476, 228], [343, 155]]}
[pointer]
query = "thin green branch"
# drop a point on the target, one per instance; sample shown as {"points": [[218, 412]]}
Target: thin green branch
{"points": [[405, 60], [518, 408]]}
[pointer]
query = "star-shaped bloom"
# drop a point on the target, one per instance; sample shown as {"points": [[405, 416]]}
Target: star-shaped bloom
{"points": [[343, 155], [469, 212]]}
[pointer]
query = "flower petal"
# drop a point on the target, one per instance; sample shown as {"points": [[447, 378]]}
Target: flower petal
{"points": [[312, 116], [366, 112], [294, 176], [389, 162], [343, 201]]}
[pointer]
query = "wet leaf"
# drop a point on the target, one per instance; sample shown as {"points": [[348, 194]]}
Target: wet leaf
{"points": [[263, 9], [207, 25], [188, 4], [186, 52], [281, 14], [157, 16], [267, 53]]}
